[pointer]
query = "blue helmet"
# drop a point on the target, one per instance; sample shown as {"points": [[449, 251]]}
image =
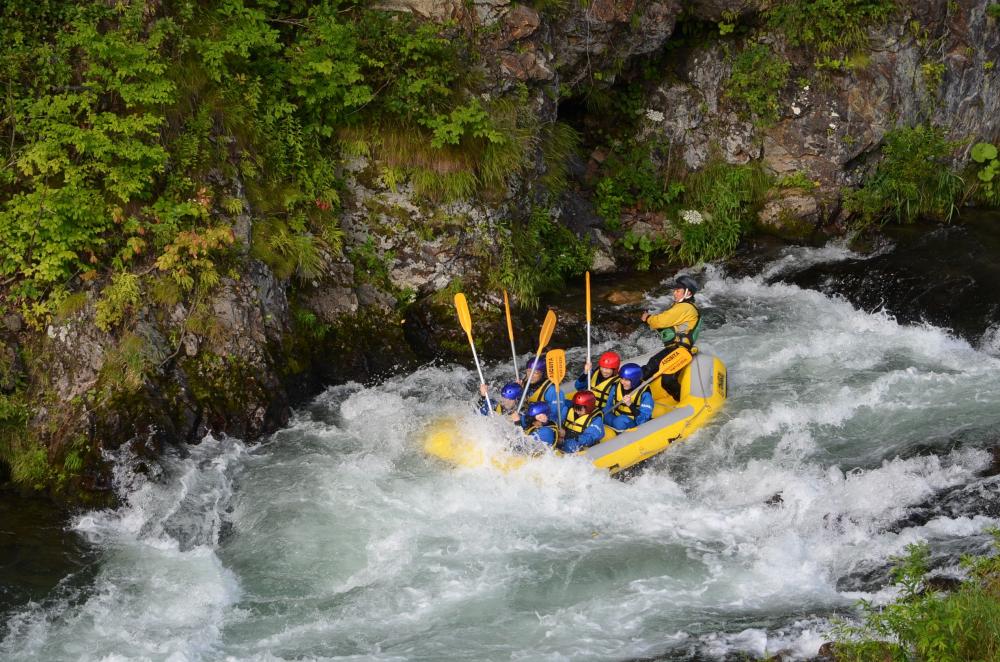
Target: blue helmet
{"points": [[511, 391], [537, 363], [536, 408], [631, 372]]}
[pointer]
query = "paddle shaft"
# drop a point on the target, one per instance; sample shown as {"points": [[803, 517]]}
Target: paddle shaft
{"points": [[510, 333], [475, 357], [588, 316], [527, 380]]}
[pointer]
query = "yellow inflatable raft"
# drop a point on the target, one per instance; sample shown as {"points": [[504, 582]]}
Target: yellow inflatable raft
{"points": [[703, 392]]}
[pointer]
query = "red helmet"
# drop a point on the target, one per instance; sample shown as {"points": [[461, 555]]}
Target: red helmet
{"points": [[586, 400], [609, 360]]}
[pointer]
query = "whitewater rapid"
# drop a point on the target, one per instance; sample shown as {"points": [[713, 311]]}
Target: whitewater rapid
{"points": [[338, 538]]}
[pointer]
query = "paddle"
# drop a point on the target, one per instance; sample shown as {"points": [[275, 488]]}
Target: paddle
{"points": [[670, 364], [548, 326], [510, 332], [465, 319], [588, 316], [555, 370]]}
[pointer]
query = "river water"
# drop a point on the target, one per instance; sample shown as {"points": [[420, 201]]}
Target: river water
{"points": [[338, 538]]}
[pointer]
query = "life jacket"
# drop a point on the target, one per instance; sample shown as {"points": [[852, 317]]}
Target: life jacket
{"points": [[601, 387], [672, 338], [498, 409], [575, 425], [539, 393], [631, 410], [535, 425]]}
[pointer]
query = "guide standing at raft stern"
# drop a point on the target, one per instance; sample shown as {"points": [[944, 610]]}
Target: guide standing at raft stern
{"points": [[678, 326]]}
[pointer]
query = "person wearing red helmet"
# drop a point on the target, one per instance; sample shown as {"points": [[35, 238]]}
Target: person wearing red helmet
{"points": [[602, 380], [584, 424]]}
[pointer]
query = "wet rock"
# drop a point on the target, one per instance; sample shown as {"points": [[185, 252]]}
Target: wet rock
{"points": [[942, 275], [11, 367], [624, 297], [827, 652], [12, 322], [942, 584], [775, 500], [521, 22], [438, 10]]}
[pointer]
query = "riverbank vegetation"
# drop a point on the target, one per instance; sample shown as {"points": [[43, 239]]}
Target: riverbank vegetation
{"points": [[926, 624]]}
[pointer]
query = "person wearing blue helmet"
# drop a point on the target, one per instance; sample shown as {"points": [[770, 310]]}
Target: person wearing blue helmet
{"points": [[632, 406], [538, 424], [505, 405], [540, 388]]}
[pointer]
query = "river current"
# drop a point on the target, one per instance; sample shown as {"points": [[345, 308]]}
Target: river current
{"points": [[338, 538]]}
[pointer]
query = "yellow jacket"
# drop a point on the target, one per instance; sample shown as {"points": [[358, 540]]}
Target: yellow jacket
{"points": [[682, 317]]}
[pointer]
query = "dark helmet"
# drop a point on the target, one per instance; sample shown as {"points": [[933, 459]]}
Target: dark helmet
{"points": [[687, 283], [536, 408], [631, 372], [511, 391], [537, 363], [609, 360], [585, 399]]}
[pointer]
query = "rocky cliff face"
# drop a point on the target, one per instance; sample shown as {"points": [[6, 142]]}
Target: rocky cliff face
{"points": [[235, 363]]}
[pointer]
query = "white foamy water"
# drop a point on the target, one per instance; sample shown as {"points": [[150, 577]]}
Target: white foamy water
{"points": [[338, 538]]}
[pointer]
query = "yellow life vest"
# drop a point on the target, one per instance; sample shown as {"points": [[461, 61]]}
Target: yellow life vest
{"points": [[601, 389], [536, 396], [498, 409], [575, 425], [632, 409]]}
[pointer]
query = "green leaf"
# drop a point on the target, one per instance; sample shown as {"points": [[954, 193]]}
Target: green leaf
{"points": [[983, 152]]}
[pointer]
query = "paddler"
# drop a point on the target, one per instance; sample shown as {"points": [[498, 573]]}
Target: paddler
{"points": [[633, 405], [678, 326], [602, 380], [538, 424], [584, 424], [510, 394], [540, 388]]}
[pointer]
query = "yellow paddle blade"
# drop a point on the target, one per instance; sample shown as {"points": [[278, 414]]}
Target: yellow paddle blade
{"points": [[555, 365], [674, 361], [548, 326], [506, 307], [588, 295], [464, 318]]}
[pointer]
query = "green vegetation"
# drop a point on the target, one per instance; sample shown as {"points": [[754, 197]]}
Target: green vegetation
{"points": [[993, 10], [538, 255], [829, 26], [913, 180], [758, 76], [922, 624], [126, 126], [987, 185], [633, 180], [724, 199]]}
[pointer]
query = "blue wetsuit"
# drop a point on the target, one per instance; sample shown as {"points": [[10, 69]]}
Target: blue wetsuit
{"points": [[633, 415]]}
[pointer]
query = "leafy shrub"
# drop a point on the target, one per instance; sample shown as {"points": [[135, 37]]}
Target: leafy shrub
{"points": [[913, 180], [539, 255], [727, 198], [829, 25], [758, 75], [925, 625], [987, 185], [633, 180], [122, 295]]}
